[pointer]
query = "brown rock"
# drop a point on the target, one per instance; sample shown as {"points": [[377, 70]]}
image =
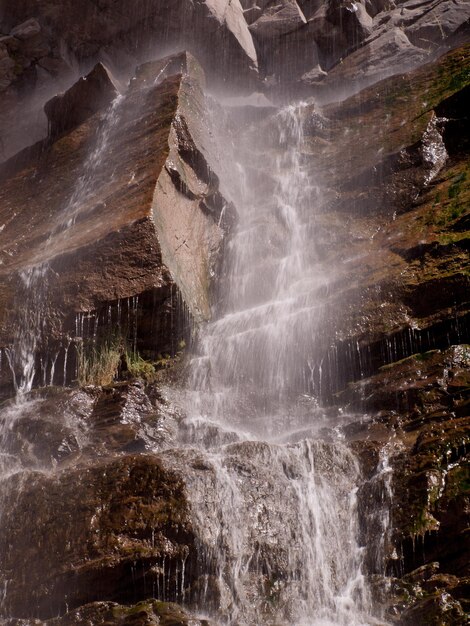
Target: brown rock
{"points": [[90, 94], [110, 227], [26, 30], [118, 530]]}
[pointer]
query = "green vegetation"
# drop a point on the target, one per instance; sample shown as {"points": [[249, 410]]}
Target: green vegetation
{"points": [[450, 203], [138, 367], [456, 186], [420, 356], [459, 80], [103, 361], [98, 365]]}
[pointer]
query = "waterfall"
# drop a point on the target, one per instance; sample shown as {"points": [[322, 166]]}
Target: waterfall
{"points": [[257, 349], [281, 533], [33, 306], [274, 503]]}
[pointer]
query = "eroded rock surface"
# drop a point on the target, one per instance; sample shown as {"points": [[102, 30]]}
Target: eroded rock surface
{"points": [[100, 507], [147, 613], [125, 202], [400, 212]]}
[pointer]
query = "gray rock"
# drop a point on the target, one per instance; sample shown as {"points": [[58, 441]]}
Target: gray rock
{"points": [[84, 99], [7, 67], [53, 66], [353, 19], [26, 30], [438, 23], [381, 56], [229, 14], [315, 75], [277, 19], [12, 43]]}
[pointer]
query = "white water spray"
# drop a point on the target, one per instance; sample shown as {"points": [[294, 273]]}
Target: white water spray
{"points": [[281, 534]]}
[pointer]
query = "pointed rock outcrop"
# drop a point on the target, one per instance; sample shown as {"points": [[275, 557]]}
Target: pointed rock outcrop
{"points": [[85, 98], [125, 204]]}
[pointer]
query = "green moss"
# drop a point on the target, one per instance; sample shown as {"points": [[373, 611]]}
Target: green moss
{"points": [[456, 186], [423, 523], [422, 356], [98, 364], [453, 75], [168, 612], [460, 80], [139, 367], [458, 483]]}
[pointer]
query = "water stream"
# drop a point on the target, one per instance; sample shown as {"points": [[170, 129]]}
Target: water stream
{"points": [[33, 307], [274, 505], [252, 359], [282, 534]]}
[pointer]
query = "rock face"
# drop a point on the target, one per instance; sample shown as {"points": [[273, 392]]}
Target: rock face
{"points": [[147, 613], [92, 93], [392, 166], [161, 233], [118, 513], [402, 213], [71, 449], [424, 401], [403, 285], [115, 222], [45, 45], [93, 26]]}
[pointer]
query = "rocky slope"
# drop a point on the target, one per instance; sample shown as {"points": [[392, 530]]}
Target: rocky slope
{"points": [[280, 46], [97, 518], [114, 235]]}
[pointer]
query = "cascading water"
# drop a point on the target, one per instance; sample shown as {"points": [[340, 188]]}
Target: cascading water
{"points": [[257, 350], [281, 533], [274, 507], [35, 310]]}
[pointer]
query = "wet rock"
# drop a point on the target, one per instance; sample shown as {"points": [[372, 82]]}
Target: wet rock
{"points": [[353, 19], [265, 536], [58, 427], [90, 94], [438, 610], [278, 19], [158, 214], [115, 531], [204, 27], [435, 26], [26, 30], [371, 62], [79, 37], [420, 386], [422, 400], [148, 613], [398, 223], [7, 67]]}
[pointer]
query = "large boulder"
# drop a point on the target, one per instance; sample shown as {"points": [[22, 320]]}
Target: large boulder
{"points": [[277, 19], [86, 97], [372, 61], [125, 204]]}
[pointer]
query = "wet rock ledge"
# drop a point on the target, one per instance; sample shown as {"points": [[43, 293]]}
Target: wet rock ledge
{"points": [[133, 235]]}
